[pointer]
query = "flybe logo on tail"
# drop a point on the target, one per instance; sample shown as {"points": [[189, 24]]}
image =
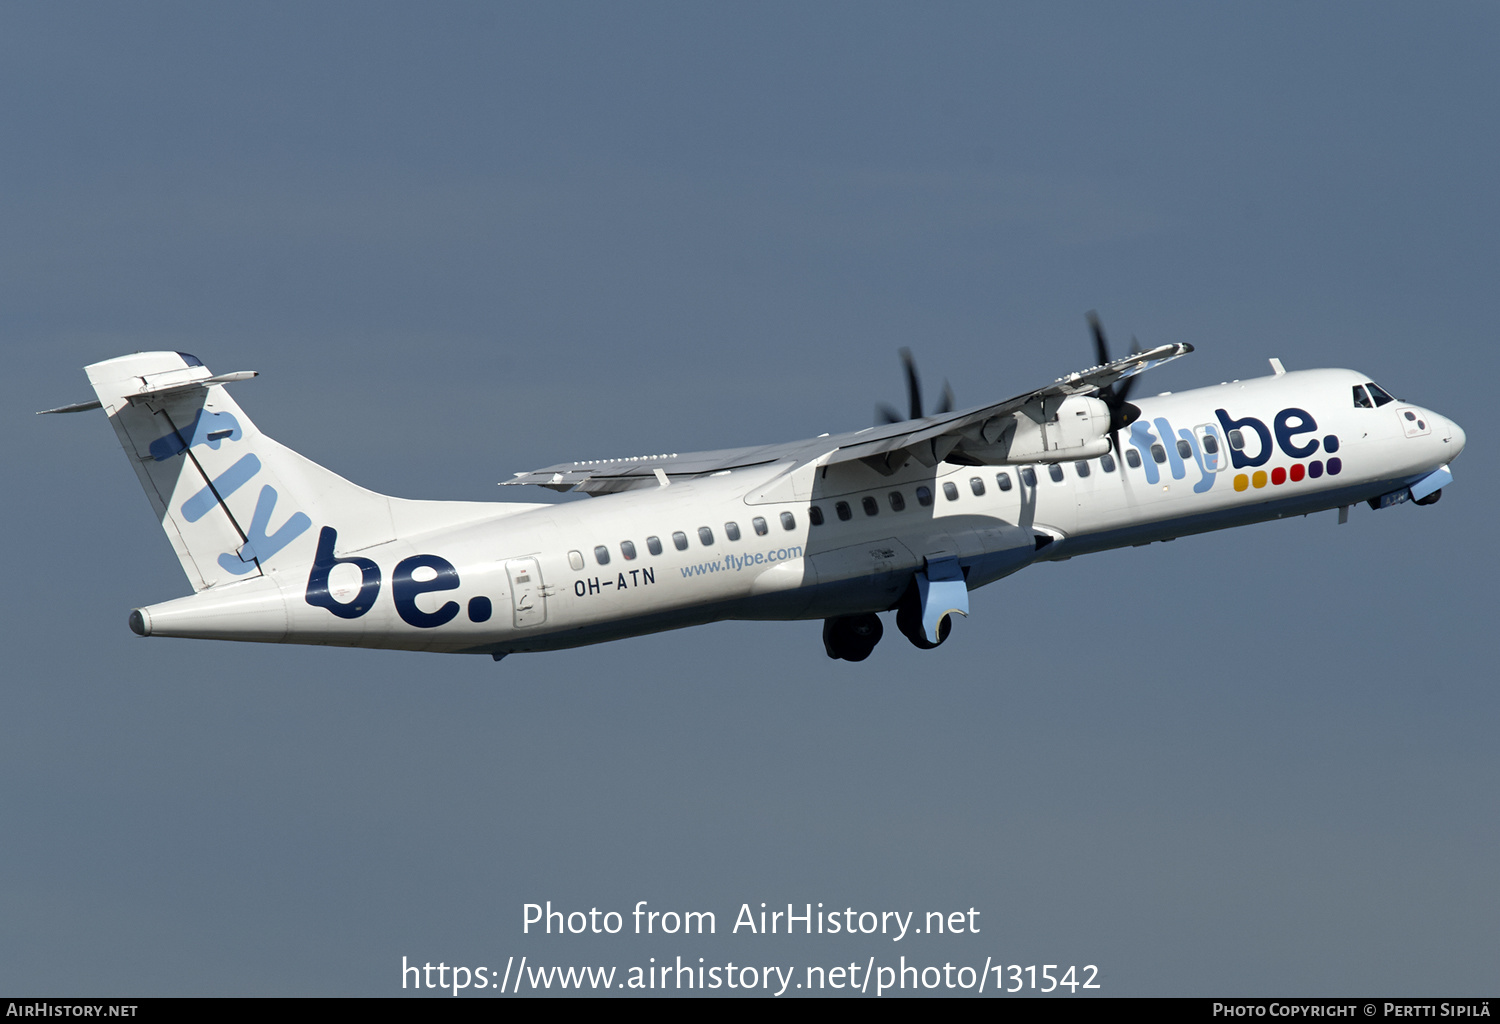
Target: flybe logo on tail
{"points": [[210, 428], [213, 429]]}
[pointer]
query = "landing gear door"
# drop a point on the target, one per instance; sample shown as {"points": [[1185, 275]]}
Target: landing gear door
{"points": [[527, 598]]}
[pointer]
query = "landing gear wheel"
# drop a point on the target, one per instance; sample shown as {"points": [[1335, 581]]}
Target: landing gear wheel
{"points": [[852, 637], [909, 621], [1431, 499]]}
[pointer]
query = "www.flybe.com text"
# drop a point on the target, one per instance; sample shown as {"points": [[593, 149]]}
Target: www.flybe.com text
{"points": [[735, 563]]}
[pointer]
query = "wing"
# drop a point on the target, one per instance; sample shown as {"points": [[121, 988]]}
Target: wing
{"points": [[968, 435]]}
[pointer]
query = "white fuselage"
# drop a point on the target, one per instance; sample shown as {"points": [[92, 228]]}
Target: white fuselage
{"points": [[554, 576]]}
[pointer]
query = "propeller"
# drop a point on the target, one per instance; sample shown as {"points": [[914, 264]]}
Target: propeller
{"points": [[1121, 413], [887, 414]]}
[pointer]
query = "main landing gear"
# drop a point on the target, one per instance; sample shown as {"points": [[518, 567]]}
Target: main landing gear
{"points": [[924, 614], [852, 637], [909, 621]]}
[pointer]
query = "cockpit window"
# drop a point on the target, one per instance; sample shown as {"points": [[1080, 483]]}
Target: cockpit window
{"points": [[1362, 400], [1381, 398]]}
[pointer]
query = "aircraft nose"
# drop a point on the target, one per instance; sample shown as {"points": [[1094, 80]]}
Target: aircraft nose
{"points": [[1454, 436]]}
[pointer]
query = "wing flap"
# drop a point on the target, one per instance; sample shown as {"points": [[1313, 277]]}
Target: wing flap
{"points": [[610, 476]]}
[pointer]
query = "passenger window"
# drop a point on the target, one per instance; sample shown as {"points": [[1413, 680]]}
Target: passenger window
{"points": [[788, 521], [705, 536], [653, 545], [1237, 440], [1083, 467], [1002, 480], [924, 496], [871, 506], [1211, 444], [627, 549], [1028, 476], [1055, 472], [1107, 463], [601, 555], [815, 515], [950, 490], [1362, 400], [679, 540], [977, 486], [842, 508], [575, 559], [1133, 457], [760, 526], [732, 530], [1184, 449], [1158, 453], [897, 500]]}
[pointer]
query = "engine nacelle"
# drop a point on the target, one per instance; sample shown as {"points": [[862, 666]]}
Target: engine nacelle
{"points": [[1075, 427]]}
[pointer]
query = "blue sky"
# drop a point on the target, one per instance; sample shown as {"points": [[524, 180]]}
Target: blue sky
{"points": [[461, 240]]}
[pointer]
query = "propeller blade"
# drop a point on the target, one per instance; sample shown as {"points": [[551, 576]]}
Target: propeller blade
{"points": [[1117, 394], [945, 401], [1101, 349], [886, 414], [913, 384]]}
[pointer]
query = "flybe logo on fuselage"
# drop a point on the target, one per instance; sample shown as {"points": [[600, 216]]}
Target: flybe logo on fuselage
{"points": [[1290, 427], [350, 600], [1245, 443]]}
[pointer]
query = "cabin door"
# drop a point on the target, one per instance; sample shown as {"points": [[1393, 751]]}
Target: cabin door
{"points": [[527, 598]]}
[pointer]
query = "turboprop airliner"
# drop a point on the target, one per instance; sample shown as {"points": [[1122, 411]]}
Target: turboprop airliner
{"points": [[905, 517]]}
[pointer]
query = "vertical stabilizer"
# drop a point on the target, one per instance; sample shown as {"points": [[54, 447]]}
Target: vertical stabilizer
{"points": [[233, 502], [203, 464]]}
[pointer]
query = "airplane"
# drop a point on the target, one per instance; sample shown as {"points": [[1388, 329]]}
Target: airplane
{"points": [[907, 516]]}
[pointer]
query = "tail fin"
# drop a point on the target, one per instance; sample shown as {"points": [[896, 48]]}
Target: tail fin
{"points": [[233, 502]]}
